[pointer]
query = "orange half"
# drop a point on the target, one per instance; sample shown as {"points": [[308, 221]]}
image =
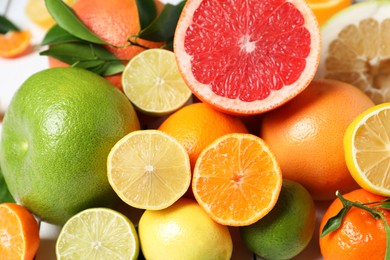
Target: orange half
{"points": [[14, 43], [237, 179]]}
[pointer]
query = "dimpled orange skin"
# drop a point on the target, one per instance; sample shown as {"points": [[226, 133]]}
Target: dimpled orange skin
{"points": [[306, 136], [360, 236]]}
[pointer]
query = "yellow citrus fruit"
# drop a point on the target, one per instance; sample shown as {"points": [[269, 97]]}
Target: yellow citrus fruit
{"points": [[19, 232], [37, 12], [237, 179], [324, 9], [306, 136], [287, 229], [183, 231], [98, 233], [149, 169], [56, 135], [366, 146], [356, 48], [152, 82]]}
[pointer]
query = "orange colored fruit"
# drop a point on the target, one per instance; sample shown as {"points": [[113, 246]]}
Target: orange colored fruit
{"points": [[360, 236], [19, 232], [325, 9], [14, 43], [247, 58], [197, 125], [237, 179], [306, 136]]}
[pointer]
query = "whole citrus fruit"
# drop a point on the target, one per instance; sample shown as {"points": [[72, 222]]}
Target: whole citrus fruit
{"points": [[183, 231], [56, 136], [306, 136], [197, 125], [360, 236], [287, 229]]}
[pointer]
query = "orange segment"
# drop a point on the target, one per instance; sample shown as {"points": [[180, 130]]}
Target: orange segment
{"points": [[19, 232], [324, 9], [14, 43], [237, 179]]}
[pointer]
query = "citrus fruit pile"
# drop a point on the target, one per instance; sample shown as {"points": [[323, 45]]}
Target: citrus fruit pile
{"points": [[260, 112]]}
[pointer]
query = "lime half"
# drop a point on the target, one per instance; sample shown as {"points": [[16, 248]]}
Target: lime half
{"points": [[98, 233], [152, 82]]}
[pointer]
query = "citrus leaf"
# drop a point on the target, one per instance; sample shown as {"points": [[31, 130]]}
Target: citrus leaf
{"points": [[5, 195], [6, 25], [68, 20], [56, 35], [163, 27], [147, 12], [335, 222], [86, 55]]}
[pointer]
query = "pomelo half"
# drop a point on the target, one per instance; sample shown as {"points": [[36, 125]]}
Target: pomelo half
{"points": [[247, 57]]}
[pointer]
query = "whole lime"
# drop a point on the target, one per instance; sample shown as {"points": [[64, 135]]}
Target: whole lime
{"points": [[287, 229], [183, 231], [57, 133]]}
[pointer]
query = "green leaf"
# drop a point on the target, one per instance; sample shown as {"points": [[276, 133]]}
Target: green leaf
{"points": [[335, 222], [147, 12], [56, 35], [6, 25], [5, 195], [68, 20], [163, 27], [86, 55]]}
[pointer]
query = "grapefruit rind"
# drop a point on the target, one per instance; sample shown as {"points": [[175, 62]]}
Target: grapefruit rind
{"points": [[373, 148], [235, 106]]}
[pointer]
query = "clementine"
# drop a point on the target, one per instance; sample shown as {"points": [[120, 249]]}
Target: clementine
{"points": [[360, 236], [306, 136]]}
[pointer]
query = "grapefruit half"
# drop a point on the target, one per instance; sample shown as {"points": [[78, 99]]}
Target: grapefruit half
{"points": [[247, 57]]}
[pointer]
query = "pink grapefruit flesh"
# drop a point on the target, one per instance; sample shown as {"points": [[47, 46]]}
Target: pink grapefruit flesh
{"points": [[247, 56]]}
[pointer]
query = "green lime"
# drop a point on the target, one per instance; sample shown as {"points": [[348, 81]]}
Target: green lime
{"points": [[287, 229], [56, 136], [98, 233]]}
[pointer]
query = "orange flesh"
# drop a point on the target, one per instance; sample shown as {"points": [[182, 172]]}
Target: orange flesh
{"points": [[14, 43], [245, 54], [11, 238]]}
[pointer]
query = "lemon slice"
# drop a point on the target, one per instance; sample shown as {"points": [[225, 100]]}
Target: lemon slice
{"points": [[98, 233], [149, 169], [152, 82], [36, 11], [356, 48], [367, 149]]}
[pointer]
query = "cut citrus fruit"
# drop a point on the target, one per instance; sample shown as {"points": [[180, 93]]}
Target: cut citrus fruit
{"points": [[98, 233], [324, 9], [37, 12], [237, 179], [367, 149], [247, 57], [152, 82], [356, 48], [149, 169], [19, 232], [14, 43]]}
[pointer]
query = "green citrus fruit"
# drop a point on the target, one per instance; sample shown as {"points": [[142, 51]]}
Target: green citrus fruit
{"points": [[287, 229], [56, 136], [183, 231]]}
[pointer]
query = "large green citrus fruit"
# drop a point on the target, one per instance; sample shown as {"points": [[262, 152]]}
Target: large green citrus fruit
{"points": [[287, 229], [56, 136]]}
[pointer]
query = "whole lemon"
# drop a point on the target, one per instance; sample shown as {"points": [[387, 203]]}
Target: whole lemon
{"points": [[57, 133], [287, 229], [183, 231]]}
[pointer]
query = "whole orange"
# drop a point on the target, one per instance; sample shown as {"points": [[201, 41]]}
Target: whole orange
{"points": [[360, 236], [197, 125], [114, 21], [306, 136]]}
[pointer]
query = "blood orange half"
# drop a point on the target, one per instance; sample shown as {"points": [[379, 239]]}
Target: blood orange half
{"points": [[247, 57]]}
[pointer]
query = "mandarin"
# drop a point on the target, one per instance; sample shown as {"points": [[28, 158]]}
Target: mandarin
{"points": [[14, 43], [306, 136], [360, 236], [19, 232]]}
